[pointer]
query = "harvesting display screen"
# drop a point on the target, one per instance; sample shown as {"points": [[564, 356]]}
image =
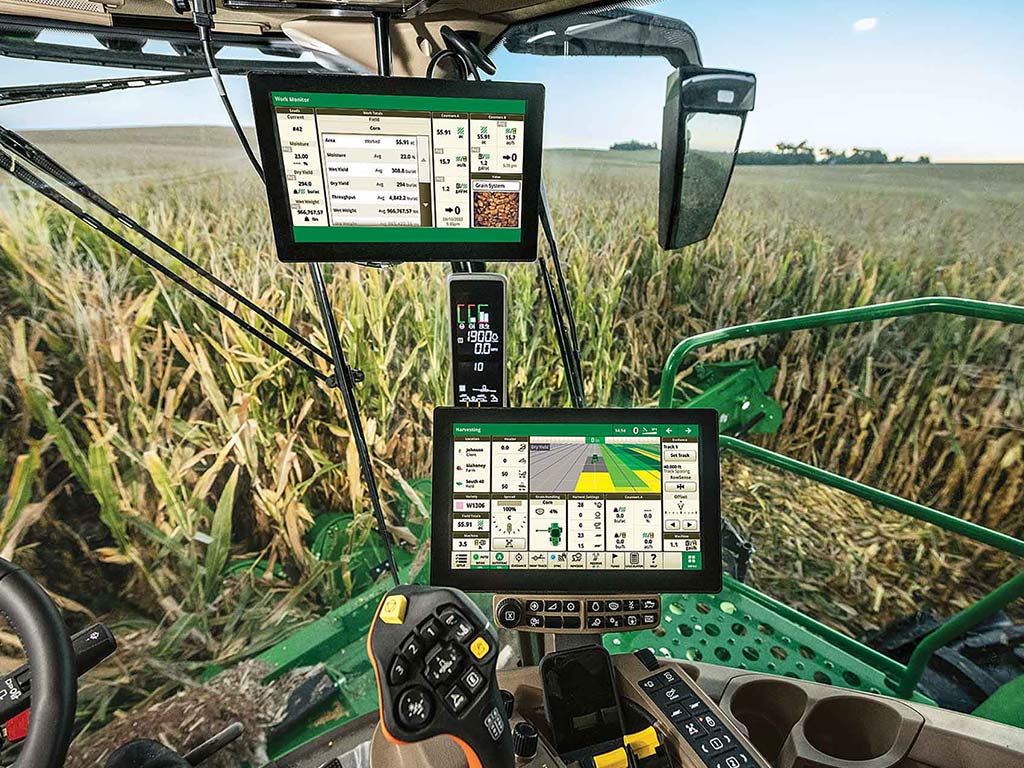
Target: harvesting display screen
{"points": [[370, 167], [597, 499]]}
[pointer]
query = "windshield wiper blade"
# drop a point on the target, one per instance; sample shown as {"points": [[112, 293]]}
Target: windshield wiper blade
{"points": [[19, 145], [23, 94]]}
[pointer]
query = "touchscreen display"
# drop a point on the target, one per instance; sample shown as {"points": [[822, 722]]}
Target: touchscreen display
{"points": [[576, 496], [365, 167]]}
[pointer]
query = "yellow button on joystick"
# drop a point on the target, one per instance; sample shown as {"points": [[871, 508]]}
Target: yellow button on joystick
{"points": [[479, 647], [393, 610]]}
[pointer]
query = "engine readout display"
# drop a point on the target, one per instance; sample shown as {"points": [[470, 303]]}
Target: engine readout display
{"points": [[477, 326], [601, 497], [365, 167]]}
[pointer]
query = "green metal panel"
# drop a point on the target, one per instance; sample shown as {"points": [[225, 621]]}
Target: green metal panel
{"points": [[738, 390], [984, 310], [735, 629], [907, 680]]}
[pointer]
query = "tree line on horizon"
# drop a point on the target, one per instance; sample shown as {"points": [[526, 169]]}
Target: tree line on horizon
{"points": [[804, 154], [797, 154]]}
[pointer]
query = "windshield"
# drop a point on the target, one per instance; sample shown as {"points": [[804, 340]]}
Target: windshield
{"points": [[165, 471]]}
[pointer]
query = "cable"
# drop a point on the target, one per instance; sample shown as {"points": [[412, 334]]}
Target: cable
{"points": [[465, 65], [560, 335], [346, 384], [202, 17]]}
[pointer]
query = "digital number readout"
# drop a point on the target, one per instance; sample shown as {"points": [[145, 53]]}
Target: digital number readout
{"points": [[477, 307]]}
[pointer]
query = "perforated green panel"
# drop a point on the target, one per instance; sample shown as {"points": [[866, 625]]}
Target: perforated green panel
{"points": [[736, 630]]}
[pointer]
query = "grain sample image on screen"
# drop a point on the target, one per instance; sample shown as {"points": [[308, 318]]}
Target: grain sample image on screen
{"points": [[495, 209]]}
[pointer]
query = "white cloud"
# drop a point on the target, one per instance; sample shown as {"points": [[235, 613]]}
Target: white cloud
{"points": [[865, 25]]}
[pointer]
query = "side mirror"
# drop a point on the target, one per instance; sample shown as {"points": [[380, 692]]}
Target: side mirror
{"points": [[705, 110]]}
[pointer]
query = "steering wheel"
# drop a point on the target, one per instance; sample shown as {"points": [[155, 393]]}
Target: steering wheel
{"points": [[35, 619]]}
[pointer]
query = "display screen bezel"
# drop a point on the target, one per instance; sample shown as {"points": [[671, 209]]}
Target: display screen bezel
{"points": [[262, 85], [540, 581]]}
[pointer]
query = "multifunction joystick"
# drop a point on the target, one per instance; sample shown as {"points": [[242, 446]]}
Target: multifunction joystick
{"points": [[434, 655]]}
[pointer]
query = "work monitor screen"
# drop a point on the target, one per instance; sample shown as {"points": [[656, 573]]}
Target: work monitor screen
{"points": [[582, 500], [387, 169]]}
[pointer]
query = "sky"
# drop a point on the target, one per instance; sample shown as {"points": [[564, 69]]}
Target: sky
{"points": [[941, 78]]}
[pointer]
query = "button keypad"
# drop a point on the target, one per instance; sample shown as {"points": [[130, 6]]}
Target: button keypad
{"points": [[415, 708], [440, 652], [589, 614], [435, 671], [456, 700], [704, 730], [413, 648], [399, 671], [473, 680], [442, 664]]}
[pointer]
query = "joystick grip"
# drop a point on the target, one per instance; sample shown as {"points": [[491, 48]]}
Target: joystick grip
{"points": [[434, 656]]}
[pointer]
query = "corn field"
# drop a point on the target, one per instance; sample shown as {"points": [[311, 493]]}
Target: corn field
{"points": [[161, 468]]}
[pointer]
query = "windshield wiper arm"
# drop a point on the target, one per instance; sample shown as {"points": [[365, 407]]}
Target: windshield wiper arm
{"points": [[22, 147], [19, 171]]}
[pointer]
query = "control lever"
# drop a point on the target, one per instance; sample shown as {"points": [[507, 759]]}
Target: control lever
{"points": [[434, 654], [91, 646]]}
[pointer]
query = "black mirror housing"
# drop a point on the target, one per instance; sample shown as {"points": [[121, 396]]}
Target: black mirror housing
{"points": [[705, 111]]}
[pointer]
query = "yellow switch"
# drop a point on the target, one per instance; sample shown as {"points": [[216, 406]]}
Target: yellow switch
{"points": [[480, 647], [614, 759], [393, 610], [643, 743]]}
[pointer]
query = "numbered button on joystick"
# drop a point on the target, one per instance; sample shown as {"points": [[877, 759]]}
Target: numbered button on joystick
{"points": [[415, 708], [399, 672]]}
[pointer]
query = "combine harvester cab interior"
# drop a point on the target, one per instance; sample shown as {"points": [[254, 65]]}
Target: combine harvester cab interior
{"points": [[582, 601]]}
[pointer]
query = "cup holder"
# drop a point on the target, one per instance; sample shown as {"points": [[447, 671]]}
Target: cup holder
{"points": [[769, 709], [852, 728]]}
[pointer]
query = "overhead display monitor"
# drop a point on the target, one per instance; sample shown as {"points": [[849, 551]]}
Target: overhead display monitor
{"points": [[581, 500], [400, 169]]}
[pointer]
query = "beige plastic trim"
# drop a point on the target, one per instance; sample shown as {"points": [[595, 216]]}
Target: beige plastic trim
{"points": [[944, 739], [630, 672], [84, 11], [412, 42], [821, 725], [413, 39]]}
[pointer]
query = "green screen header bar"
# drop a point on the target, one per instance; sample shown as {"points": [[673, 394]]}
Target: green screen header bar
{"points": [[493, 429], [380, 101]]}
